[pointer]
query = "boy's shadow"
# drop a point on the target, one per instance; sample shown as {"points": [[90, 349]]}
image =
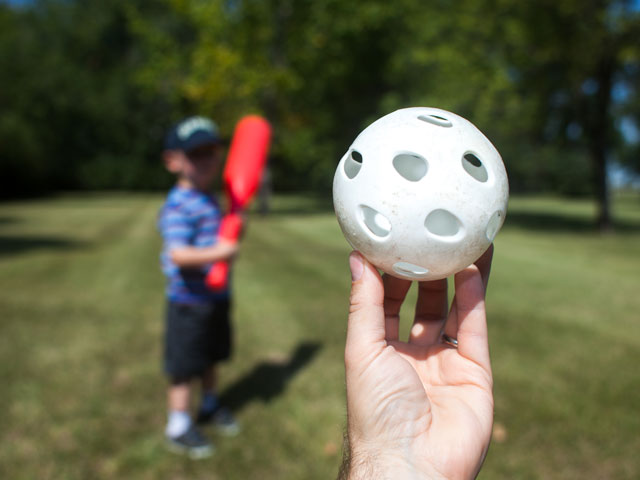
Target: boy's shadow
{"points": [[268, 379]]}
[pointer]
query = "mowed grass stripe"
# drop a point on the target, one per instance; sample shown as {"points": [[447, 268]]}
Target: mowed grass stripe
{"points": [[80, 343]]}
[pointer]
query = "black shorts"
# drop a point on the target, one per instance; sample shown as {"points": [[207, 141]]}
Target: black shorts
{"points": [[197, 336]]}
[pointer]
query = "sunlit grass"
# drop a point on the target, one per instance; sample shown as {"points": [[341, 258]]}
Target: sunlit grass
{"points": [[81, 328]]}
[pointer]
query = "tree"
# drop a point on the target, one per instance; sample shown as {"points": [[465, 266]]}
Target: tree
{"points": [[549, 82], [580, 53]]}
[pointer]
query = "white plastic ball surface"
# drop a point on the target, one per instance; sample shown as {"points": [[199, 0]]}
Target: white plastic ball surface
{"points": [[421, 193]]}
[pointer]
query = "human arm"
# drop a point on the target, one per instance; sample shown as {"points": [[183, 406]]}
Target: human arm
{"points": [[188, 256], [418, 409], [180, 225]]}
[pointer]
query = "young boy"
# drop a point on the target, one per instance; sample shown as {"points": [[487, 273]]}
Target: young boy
{"points": [[198, 330]]}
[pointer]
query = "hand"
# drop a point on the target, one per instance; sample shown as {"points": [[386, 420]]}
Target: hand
{"points": [[227, 249], [422, 408]]}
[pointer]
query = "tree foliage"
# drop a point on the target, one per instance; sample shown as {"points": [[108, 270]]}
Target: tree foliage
{"points": [[88, 88]]}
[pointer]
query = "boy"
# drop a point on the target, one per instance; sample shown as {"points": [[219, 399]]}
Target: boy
{"points": [[198, 330]]}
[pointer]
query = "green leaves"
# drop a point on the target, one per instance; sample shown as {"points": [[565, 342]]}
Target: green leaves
{"points": [[115, 74]]}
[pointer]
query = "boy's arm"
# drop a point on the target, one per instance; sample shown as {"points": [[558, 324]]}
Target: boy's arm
{"points": [[188, 256]]}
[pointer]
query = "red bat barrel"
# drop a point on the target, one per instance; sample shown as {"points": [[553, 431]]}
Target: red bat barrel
{"points": [[246, 159], [241, 177]]}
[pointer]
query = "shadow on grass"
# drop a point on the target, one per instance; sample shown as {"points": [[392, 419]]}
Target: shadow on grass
{"points": [[268, 379], [11, 245], [562, 223]]}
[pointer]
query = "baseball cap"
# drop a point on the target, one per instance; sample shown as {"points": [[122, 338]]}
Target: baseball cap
{"points": [[191, 133]]}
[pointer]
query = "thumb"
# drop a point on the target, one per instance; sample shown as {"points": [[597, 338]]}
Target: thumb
{"points": [[366, 326]]}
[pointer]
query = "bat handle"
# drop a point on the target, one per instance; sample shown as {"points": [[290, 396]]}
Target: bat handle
{"points": [[218, 274]]}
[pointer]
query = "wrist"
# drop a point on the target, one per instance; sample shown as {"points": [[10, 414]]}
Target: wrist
{"points": [[382, 463]]}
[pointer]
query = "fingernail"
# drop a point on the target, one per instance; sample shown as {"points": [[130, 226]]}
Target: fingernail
{"points": [[356, 264]]}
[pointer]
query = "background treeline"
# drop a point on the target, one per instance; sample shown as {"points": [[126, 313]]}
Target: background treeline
{"points": [[88, 88]]}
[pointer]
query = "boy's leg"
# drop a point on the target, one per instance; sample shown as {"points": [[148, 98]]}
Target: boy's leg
{"points": [[219, 349], [210, 410], [184, 361], [178, 398], [210, 379], [209, 390], [182, 436]]}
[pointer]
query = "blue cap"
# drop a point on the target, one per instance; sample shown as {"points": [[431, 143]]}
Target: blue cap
{"points": [[191, 133]]}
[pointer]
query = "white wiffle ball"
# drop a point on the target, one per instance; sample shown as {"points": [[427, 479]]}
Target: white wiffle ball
{"points": [[421, 193]]}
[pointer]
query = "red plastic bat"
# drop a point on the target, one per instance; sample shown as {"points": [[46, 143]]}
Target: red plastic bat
{"points": [[242, 174]]}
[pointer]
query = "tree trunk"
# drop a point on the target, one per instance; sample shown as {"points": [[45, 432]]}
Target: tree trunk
{"points": [[599, 138], [603, 199]]}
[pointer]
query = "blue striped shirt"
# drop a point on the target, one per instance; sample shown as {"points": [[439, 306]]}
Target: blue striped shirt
{"points": [[188, 218]]}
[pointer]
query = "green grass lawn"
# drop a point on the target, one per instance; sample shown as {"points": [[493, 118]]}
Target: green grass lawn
{"points": [[82, 390]]}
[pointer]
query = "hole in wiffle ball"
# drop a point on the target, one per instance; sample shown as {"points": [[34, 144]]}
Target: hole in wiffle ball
{"points": [[442, 223], [410, 270], [474, 167], [353, 164], [377, 223], [435, 120], [495, 222], [411, 166]]}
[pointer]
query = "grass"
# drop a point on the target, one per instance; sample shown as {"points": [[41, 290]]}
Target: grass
{"points": [[81, 327]]}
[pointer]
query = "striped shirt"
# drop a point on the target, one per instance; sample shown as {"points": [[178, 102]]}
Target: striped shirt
{"points": [[188, 218]]}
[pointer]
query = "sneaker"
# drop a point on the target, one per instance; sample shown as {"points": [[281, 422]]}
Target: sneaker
{"points": [[191, 443], [222, 419]]}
